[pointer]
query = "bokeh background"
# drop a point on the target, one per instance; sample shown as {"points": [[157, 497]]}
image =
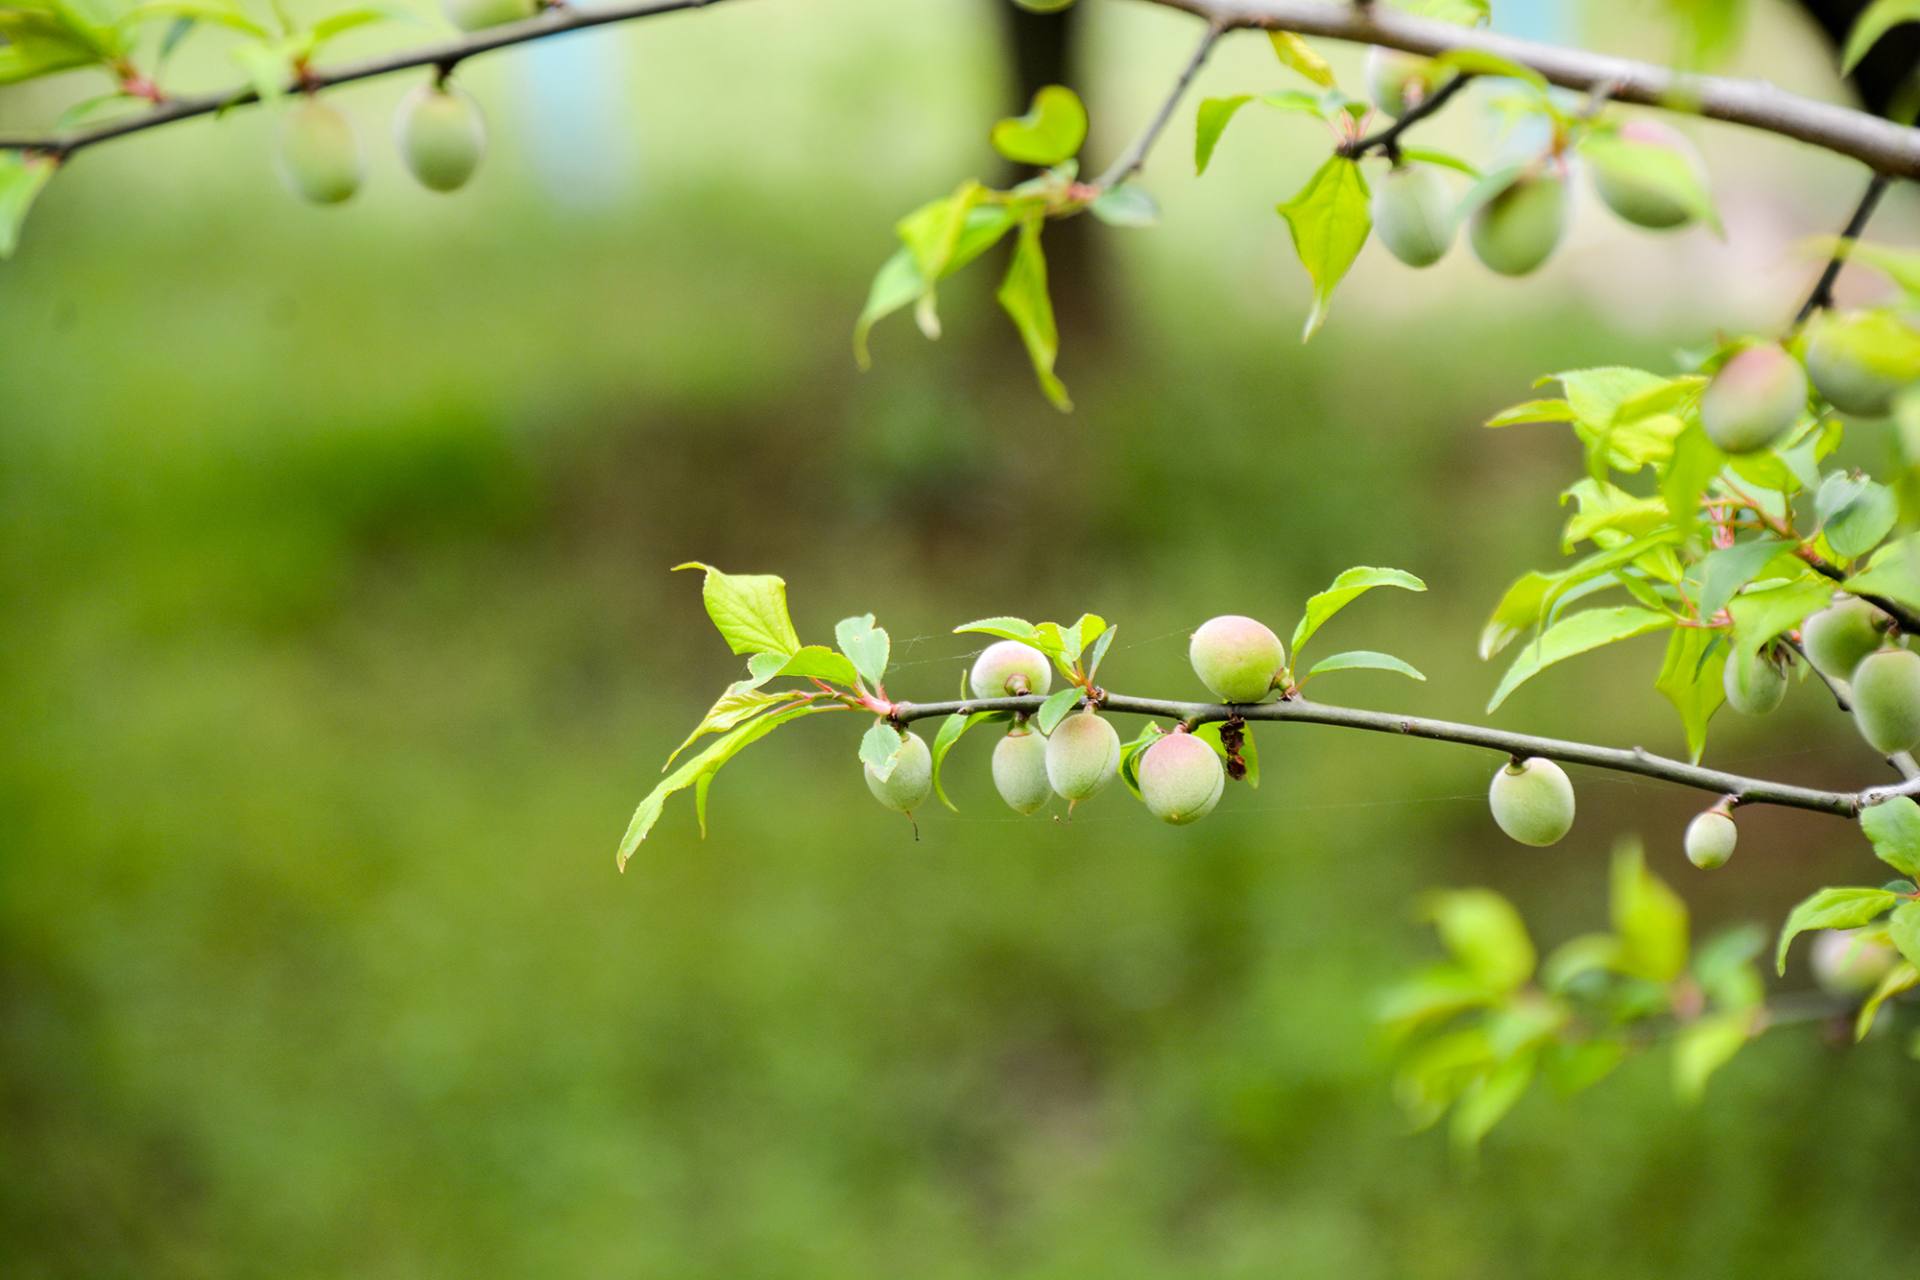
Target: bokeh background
{"points": [[339, 642]]}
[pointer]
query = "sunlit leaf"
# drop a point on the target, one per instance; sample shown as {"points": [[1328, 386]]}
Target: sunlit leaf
{"points": [[1330, 221]]}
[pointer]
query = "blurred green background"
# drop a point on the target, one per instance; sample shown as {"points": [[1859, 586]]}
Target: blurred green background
{"points": [[338, 644]]}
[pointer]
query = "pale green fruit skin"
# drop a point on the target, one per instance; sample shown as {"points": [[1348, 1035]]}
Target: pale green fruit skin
{"points": [[1181, 779], [472, 15], [1851, 377], [1635, 201], [1886, 700], [1520, 226], [1533, 803], [1397, 81], [1840, 635], [1845, 964], [1754, 687], [1754, 399], [1020, 771], [441, 136], [319, 153], [1083, 756], [1007, 668], [1237, 657], [1415, 215], [910, 783], [1710, 839]]}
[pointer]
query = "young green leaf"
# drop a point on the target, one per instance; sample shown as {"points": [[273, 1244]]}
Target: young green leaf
{"points": [[1486, 1101], [1056, 707], [1479, 62], [22, 177], [880, 748], [1023, 295], [1330, 220], [1830, 909], [1719, 575], [1903, 926], [1576, 634], [950, 730], [1874, 22], [813, 661], [1364, 660], [1649, 919], [1349, 586], [1902, 977], [1298, 55], [1211, 734], [742, 701], [1690, 678], [1894, 828], [867, 646], [1209, 122], [1482, 931], [1855, 513], [1705, 1045], [1052, 130], [1763, 616], [1099, 651], [1005, 628], [748, 609], [1125, 206]]}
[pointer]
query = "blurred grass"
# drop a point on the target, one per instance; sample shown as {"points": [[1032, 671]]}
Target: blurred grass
{"points": [[339, 645]]}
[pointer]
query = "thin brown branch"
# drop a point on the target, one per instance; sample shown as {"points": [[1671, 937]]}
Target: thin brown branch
{"points": [[1387, 140], [1136, 154], [1822, 295]]}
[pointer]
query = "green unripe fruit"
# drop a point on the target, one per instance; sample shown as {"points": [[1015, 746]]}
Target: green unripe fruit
{"points": [[1020, 771], [1754, 399], [1007, 668], [1840, 635], [1237, 657], [1519, 226], [1710, 839], [1845, 964], [441, 136], [1083, 755], [1414, 215], [1886, 700], [907, 787], [319, 153], [1630, 195], [1181, 779], [1754, 685], [1532, 801], [472, 15], [1860, 360], [1398, 81], [1044, 6]]}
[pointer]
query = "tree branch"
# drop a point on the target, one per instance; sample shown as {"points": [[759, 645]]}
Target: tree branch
{"points": [[1387, 140], [1904, 618], [1880, 144], [1136, 155], [1745, 790], [1822, 295]]}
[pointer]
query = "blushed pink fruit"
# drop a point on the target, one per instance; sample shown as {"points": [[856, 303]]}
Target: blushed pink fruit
{"points": [[1083, 755], [1008, 668], [1237, 658], [1754, 399], [1181, 779]]}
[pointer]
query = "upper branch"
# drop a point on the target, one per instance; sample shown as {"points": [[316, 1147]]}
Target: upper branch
{"points": [[1633, 760], [1136, 155], [1884, 146]]}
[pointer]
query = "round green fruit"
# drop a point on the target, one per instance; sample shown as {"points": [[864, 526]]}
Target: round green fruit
{"points": [[1624, 187], [1847, 965], [1520, 225], [1020, 771], [1237, 658], [1860, 360], [1083, 755], [1181, 779], [907, 787], [1754, 685], [1840, 635], [1710, 839], [1415, 215], [1886, 700], [472, 15], [1754, 399], [319, 152], [1532, 801], [1398, 81], [441, 136], [1007, 669]]}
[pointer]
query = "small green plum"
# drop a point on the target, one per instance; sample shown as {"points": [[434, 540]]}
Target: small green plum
{"points": [[1008, 668], [1520, 225], [319, 153], [1846, 964], [1840, 635], [1756, 685], [1532, 801], [1886, 700], [1020, 770], [1398, 82], [1710, 839], [907, 787], [1624, 188], [1415, 215], [1236, 657], [1860, 360], [1181, 779], [1754, 399], [1083, 756], [441, 136], [472, 15]]}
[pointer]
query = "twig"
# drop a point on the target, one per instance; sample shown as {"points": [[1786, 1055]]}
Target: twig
{"points": [[1822, 295], [1387, 140], [1136, 154]]}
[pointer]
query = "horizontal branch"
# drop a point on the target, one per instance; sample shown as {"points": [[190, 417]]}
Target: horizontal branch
{"points": [[1633, 760], [443, 54], [1884, 146]]}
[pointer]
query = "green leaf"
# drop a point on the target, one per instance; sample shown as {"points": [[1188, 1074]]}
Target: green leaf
{"points": [[950, 730], [1578, 957], [1427, 155], [1485, 1102], [1720, 574], [813, 661], [1855, 513], [1576, 634], [1690, 678], [21, 179], [897, 284], [1297, 54], [1429, 997], [1894, 572], [1894, 828], [741, 702], [867, 646], [748, 609], [880, 748], [1830, 909], [1659, 169], [1874, 22], [1532, 411], [1100, 647], [1903, 927], [1343, 591], [1572, 1067], [1688, 472], [1760, 617], [1125, 206], [42, 40], [1330, 221], [1484, 933], [1649, 919], [1056, 707], [1479, 62], [1705, 1045], [1023, 295], [698, 772], [219, 12], [345, 20], [1902, 977], [1364, 660], [938, 238], [1724, 967], [1210, 733], [1052, 130], [1005, 628], [1066, 644], [1209, 123]]}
